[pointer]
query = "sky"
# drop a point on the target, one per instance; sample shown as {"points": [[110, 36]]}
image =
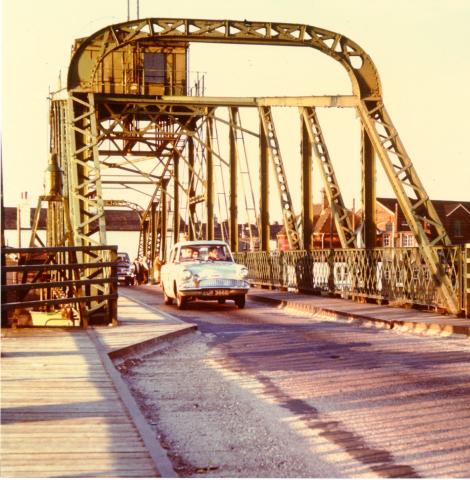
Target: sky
{"points": [[420, 48]]}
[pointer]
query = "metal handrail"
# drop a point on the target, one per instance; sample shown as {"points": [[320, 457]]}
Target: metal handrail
{"points": [[399, 276]]}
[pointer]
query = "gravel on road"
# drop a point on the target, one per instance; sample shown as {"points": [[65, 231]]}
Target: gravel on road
{"points": [[213, 421]]}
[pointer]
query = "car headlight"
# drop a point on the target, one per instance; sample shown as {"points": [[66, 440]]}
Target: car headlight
{"points": [[243, 272], [186, 275]]}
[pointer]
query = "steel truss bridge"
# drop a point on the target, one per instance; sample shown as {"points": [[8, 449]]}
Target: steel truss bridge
{"points": [[126, 133]]}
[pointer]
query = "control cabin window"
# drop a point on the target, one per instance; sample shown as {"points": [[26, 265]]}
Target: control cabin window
{"points": [[154, 68]]}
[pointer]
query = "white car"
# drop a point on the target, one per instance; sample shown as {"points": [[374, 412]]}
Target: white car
{"points": [[204, 270]]}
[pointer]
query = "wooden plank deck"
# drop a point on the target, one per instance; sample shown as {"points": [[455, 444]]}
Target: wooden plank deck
{"points": [[61, 413], [139, 326]]}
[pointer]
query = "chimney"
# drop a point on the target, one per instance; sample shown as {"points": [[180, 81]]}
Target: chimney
{"points": [[24, 211], [324, 200]]}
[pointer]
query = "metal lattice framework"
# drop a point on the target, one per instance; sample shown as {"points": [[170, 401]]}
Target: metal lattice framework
{"points": [[168, 131]]}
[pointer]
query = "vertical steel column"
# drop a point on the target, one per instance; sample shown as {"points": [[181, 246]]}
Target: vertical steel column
{"points": [[145, 236], [176, 197], [98, 190], [307, 200], [85, 189], [153, 235], [191, 187], [233, 165], [368, 190], [209, 182], [340, 213], [281, 178], [163, 220], [264, 233]]}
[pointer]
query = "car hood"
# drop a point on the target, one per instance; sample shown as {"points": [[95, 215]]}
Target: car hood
{"points": [[214, 269]]}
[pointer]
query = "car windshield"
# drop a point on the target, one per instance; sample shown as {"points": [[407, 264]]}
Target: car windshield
{"points": [[205, 253]]}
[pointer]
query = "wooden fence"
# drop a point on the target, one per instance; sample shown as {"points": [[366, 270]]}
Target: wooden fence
{"points": [[68, 278]]}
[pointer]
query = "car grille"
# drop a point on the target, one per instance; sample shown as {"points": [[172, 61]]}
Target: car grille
{"points": [[221, 282]]}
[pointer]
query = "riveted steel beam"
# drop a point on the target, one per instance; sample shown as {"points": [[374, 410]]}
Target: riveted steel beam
{"points": [[83, 73], [233, 166], [85, 190], [281, 178], [176, 197], [264, 233], [307, 187], [209, 181], [191, 187], [368, 191], [411, 195], [339, 211], [325, 101]]}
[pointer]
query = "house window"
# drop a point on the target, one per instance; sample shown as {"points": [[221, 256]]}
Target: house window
{"points": [[386, 240], [407, 240], [154, 67], [458, 228], [389, 227]]}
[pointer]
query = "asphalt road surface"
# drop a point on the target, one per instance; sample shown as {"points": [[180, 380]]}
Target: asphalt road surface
{"points": [[266, 392]]}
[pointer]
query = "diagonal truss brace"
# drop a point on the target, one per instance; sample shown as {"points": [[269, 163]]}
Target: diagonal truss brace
{"points": [[340, 213], [411, 195], [288, 214]]}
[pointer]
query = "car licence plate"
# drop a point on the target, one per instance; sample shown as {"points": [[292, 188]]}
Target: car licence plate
{"points": [[220, 291]]}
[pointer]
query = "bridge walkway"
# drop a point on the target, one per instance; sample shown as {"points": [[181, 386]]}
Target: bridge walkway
{"points": [[65, 409], [403, 319]]}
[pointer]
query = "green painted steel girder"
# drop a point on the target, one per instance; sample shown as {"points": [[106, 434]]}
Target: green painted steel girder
{"points": [[359, 66]]}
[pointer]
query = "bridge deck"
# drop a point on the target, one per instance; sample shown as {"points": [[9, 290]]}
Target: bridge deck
{"points": [[62, 413]]}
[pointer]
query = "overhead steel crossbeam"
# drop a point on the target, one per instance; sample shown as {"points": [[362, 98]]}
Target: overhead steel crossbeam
{"points": [[339, 211], [140, 129]]}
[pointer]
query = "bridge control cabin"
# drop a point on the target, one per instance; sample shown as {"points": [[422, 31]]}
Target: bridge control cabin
{"points": [[137, 68]]}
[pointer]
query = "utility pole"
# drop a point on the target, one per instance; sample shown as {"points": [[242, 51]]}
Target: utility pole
{"points": [[129, 9]]}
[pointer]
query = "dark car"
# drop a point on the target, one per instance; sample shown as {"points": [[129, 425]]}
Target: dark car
{"points": [[125, 269]]}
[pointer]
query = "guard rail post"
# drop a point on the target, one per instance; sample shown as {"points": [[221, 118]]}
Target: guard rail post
{"points": [[113, 290], [466, 279]]}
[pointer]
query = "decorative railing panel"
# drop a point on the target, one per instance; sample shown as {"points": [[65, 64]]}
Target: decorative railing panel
{"points": [[397, 275]]}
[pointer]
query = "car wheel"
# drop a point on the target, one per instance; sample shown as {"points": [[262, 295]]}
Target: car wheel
{"points": [[221, 300], [240, 301], [168, 300], [180, 301]]}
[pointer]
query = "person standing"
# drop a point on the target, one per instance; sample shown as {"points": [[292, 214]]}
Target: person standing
{"points": [[138, 271]]}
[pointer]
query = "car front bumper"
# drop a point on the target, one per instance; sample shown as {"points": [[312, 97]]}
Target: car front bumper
{"points": [[213, 292]]}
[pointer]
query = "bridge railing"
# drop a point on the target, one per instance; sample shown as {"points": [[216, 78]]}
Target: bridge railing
{"points": [[399, 276], [70, 279]]}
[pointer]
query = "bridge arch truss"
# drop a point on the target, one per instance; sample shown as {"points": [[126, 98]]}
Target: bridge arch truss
{"points": [[153, 137]]}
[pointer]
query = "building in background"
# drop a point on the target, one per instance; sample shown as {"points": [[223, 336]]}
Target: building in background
{"points": [[324, 228], [393, 229], [123, 228]]}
